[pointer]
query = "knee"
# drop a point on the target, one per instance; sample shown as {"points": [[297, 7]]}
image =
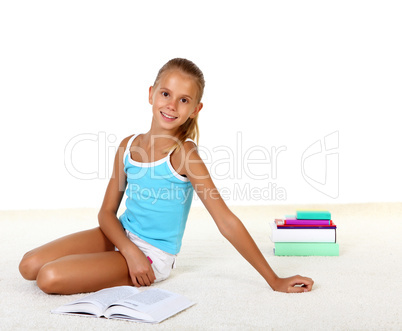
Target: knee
{"points": [[29, 266], [49, 279]]}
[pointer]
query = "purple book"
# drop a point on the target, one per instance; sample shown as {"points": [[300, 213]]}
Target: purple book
{"points": [[292, 220], [307, 222], [283, 224]]}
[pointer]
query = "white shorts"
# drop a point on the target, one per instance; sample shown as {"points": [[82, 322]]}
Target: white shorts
{"points": [[162, 262]]}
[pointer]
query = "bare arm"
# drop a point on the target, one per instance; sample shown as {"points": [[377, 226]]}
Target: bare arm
{"points": [[140, 269], [232, 228]]}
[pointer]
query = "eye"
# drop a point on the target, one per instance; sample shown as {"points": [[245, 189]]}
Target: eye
{"points": [[165, 94], [184, 100]]}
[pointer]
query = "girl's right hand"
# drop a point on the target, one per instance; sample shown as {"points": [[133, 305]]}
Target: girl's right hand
{"points": [[295, 284], [141, 271]]}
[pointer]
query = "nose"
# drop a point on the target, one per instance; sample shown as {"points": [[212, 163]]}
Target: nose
{"points": [[172, 104]]}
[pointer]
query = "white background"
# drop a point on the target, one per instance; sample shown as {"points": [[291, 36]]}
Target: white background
{"points": [[280, 74]]}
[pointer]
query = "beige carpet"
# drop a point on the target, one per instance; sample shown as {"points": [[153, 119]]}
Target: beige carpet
{"points": [[359, 290]]}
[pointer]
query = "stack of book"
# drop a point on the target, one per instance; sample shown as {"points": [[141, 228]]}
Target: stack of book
{"points": [[309, 232]]}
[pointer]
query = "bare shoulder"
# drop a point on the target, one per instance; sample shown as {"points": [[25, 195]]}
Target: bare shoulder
{"points": [[121, 149], [180, 157], [189, 148], [125, 141]]}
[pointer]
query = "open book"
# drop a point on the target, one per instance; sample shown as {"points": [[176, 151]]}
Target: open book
{"points": [[126, 302]]}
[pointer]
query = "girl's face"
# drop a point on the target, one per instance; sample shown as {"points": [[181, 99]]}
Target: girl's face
{"points": [[174, 99]]}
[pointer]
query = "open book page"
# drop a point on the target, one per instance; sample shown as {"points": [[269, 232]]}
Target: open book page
{"points": [[152, 305], [96, 303], [147, 300], [126, 302]]}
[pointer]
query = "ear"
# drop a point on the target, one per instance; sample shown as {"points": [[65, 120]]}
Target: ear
{"points": [[196, 110], [150, 97]]}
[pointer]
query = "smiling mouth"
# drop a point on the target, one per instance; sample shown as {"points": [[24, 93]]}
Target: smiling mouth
{"points": [[168, 116]]}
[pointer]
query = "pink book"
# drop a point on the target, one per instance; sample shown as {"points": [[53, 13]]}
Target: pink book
{"points": [[282, 222], [307, 222], [292, 220]]}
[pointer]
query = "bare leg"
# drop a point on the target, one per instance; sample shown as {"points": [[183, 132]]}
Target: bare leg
{"points": [[84, 273], [81, 262], [90, 241]]}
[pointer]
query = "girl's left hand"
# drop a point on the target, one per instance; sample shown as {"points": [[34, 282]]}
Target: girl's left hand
{"points": [[294, 284]]}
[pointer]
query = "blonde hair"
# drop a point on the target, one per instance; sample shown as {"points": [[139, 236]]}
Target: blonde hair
{"points": [[189, 129]]}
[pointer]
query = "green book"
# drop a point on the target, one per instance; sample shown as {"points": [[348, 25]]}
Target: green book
{"points": [[306, 249], [313, 215]]}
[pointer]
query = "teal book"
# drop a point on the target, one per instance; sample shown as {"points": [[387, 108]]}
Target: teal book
{"points": [[306, 249], [313, 215]]}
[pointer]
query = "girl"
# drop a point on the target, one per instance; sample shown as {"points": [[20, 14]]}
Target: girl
{"points": [[159, 171]]}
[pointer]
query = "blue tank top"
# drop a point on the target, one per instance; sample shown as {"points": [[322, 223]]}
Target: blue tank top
{"points": [[158, 202]]}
